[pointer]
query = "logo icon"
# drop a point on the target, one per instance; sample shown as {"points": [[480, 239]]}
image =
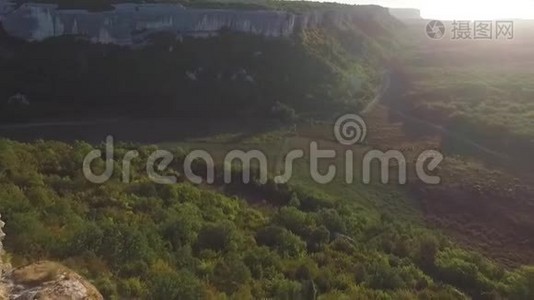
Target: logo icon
{"points": [[350, 129], [435, 30]]}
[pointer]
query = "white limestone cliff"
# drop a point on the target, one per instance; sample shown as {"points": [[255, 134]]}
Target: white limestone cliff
{"points": [[128, 23]]}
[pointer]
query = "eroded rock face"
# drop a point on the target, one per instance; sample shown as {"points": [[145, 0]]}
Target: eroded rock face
{"points": [[46, 281], [4, 293], [129, 23], [2, 236]]}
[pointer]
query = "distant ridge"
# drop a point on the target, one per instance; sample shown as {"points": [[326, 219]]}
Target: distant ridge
{"points": [[405, 13]]}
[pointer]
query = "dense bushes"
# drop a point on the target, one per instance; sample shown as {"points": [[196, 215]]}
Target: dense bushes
{"points": [[246, 75], [141, 240]]}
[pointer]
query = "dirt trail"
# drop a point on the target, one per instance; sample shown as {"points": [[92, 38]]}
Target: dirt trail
{"points": [[57, 124], [382, 92]]}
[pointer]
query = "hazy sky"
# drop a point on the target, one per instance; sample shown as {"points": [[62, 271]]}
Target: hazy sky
{"points": [[461, 9]]}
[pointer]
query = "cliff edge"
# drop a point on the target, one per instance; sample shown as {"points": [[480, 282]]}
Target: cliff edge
{"points": [[130, 23]]}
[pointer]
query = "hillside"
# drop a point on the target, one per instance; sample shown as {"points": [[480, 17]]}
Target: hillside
{"points": [[270, 76], [332, 65], [476, 89], [182, 241], [471, 100]]}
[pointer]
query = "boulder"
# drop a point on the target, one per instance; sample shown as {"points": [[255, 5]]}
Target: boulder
{"points": [[46, 280], [43, 280]]}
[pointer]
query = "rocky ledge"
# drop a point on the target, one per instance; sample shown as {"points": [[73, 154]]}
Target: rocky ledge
{"points": [[43, 280], [46, 280]]}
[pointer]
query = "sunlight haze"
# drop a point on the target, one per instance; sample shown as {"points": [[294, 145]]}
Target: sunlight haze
{"points": [[460, 9]]}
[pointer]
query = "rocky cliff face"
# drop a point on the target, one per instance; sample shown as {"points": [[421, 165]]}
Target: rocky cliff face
{"points": [[128, 24], [46, 281]]}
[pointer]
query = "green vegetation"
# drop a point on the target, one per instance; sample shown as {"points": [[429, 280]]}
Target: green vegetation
{"points": [[487, 104], [324, 70], [258, 241], [142, 240], [479, 90]]}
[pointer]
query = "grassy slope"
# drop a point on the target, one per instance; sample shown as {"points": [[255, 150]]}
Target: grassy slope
{"points": [[477, 93], [478, 89]]}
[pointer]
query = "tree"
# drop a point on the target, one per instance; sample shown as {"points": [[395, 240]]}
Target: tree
{"points": [[217, 236], [286, 243], [318, 238], [521, 284], [262, 263], [331, 219], [229, 274], [294, 220], [283, 112], [180, 285], [183, 225], [427, 251]]}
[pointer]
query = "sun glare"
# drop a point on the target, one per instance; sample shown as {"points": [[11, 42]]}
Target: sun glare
{"points": [[460, 9], [477, 9]]}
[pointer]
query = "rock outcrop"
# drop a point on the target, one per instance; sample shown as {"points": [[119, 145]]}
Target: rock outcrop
{"points": [[47, 281], [44, 281], [130, 23]]}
